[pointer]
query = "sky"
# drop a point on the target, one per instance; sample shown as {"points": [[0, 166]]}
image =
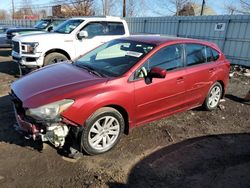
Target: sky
{"points": [[153, 7]]}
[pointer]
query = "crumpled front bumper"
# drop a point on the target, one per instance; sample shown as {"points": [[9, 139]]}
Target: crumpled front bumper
{"points": [[28, 129], [54, 131]]}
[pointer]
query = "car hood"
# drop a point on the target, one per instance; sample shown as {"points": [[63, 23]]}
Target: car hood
{"points": [[53, 83], [17, 30], [40, 37]]}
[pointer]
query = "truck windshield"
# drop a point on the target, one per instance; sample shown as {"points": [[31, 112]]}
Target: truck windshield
{"points": [[114, 58], [67, 26], [42, 24]]}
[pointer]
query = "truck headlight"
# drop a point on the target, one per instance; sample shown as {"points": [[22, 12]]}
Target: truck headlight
{"points": [[15, 34], [29, 47], [49, 111]]}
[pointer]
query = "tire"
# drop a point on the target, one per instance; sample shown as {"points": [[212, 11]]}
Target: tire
{"points": [[54, 58], [213, 97], [95, 138]]}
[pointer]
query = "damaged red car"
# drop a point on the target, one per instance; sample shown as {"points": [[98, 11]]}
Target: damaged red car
{"points": [[90, 102]]}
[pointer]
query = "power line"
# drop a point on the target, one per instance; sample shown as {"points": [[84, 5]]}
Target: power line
{"points": [[45, 5]]}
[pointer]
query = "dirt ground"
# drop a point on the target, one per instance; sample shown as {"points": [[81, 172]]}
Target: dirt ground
{"points": [[191, 149]]}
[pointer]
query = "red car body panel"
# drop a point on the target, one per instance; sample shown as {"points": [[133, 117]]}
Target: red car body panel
{"points": [[180, 90]]}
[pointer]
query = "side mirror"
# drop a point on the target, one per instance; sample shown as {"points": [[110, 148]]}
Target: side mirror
{"points": [[82, 34], [155, 72], [50, 28]]}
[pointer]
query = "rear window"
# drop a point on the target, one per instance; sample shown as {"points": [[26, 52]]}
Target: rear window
{"points": [[115, 28]]}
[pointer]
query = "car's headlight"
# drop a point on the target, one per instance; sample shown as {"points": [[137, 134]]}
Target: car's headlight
{"points": [[50, 111], [15, 34], [29, 47]]}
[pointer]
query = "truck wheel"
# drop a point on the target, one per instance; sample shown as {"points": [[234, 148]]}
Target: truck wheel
{"points": [[102, 131], [54, 58]]}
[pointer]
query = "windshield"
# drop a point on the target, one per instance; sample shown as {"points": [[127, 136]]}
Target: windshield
{"points": [[67, 26], [114, 58], [42, 24]]}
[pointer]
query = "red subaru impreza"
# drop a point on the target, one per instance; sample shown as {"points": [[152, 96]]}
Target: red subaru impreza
{"points": [[122, 84]]}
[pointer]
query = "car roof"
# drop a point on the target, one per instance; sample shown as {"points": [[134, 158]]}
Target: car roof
{"points": [[161, 39]]}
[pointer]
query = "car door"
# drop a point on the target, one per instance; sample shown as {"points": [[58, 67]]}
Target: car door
{"points": [[162, 96], [98, 33], [199, 73], [95, 31]]}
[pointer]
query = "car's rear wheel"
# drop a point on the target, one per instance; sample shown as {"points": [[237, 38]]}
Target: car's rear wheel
{"points": [[102, 131], [213, 97], [54, 58]]}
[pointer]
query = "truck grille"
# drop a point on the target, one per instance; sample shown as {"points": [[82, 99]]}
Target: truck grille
{"points": [[9, 36], [15, 46]]}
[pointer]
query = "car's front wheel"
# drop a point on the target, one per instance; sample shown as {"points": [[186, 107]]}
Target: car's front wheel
{"points": [[213, 97], [54, 58], [102, 131]]}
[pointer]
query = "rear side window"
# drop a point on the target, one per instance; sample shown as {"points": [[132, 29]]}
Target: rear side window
{"points": [[211, 54], [216, 55], [115, 28], [196, 54]]}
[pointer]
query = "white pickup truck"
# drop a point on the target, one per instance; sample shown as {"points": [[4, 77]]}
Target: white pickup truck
{"points": [[69, 40]]}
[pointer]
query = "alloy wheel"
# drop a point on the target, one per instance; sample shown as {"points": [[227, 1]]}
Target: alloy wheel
{"points": [[214, 96], [104, 132]]}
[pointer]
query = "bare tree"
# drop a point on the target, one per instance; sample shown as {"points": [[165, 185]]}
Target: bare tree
{"points": [[168, 7], [134, 7], [243, 8], [179, 4], [187, 10], [230, 9], [3, 14], [75, 7], [25, 9], [108, 6], [42, 13]]}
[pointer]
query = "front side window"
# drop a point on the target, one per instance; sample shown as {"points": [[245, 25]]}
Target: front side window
{"points": [[67, 26], [168, 58], [95, 29], [114, 58]]}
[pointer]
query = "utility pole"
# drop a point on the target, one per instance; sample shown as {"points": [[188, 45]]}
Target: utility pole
{"points": [[124, 9], [13, 10], [105, 7], [202, 7]]}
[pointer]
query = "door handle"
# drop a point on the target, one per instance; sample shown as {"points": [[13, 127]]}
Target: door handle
{"points": [[211, 70], [180, 79]]}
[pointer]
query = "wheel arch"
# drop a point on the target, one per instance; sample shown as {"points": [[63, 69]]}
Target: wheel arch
{"points": [[124, 114], [223, 87], [57, 50]]}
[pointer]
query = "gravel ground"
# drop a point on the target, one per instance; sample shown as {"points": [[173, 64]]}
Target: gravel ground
{"points": [[191, 149]]}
